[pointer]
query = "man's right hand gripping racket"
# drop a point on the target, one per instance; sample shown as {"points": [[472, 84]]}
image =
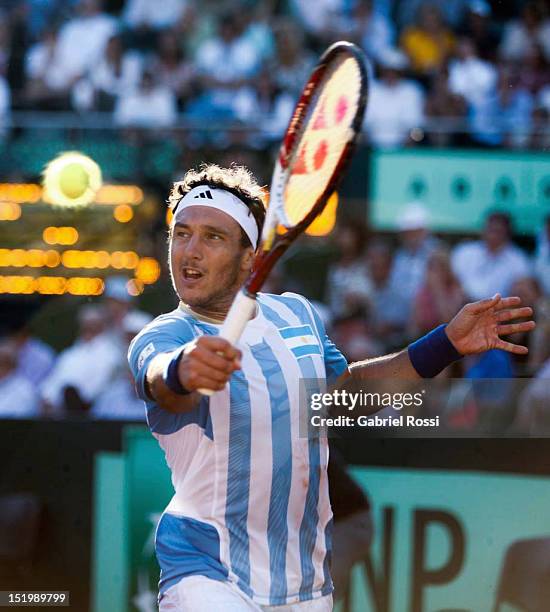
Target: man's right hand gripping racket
{"points": [[312, 159]]}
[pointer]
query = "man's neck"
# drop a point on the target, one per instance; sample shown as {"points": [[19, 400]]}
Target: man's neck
{"points": [[207, 316], [203, 315]]}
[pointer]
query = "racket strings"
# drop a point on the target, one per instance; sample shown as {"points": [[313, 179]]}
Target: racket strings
{"points": [[326, 131]]}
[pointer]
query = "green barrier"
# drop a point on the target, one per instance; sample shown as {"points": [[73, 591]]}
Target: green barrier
{"points": [[441, 536], [110, 535], [458, 187]]}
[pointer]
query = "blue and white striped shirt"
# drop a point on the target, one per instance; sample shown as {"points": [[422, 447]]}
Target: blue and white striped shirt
{"points": [[251, 498]]}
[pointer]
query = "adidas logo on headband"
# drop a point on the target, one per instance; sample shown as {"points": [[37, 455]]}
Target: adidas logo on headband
{"points": [[203, 194]]}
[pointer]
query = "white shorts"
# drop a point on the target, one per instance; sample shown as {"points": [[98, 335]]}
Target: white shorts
{"points": [[202, 594]]}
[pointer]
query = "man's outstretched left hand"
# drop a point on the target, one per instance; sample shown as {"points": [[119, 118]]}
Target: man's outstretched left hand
{"points": [[479, 326]]}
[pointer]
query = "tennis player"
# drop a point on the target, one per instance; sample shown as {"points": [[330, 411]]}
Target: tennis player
{"points": [[249, 525]]}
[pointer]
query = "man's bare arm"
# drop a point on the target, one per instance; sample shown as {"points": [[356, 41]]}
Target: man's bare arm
{"points": [[396, 365]]}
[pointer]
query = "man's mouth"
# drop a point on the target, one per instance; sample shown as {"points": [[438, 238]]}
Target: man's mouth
{"points": [[192, 275]]}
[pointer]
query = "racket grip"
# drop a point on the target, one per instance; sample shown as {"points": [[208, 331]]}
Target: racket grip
{"points": [[241, 311]]}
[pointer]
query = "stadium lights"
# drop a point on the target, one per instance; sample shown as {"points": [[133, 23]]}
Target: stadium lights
{"points": [[51, 285], [60, 235], [21, 193], [9, 211], [123, 213], [148, 268], [32, 193]]}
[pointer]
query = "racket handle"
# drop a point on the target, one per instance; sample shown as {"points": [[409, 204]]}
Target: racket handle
{"points": [[240, 313]]}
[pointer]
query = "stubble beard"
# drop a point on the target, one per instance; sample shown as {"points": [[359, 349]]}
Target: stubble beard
{"points": [[218, 297]]}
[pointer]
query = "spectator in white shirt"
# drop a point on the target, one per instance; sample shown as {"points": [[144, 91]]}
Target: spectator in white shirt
{"points": [[146, 14], [119, 400], [490, 265], [504, 116], [292, 63], [469, 76], [117, 72], [149, 106], [316, 21], [348, 283], [417, 245], [225, 65], [389, 311], [364, 26], [35, 359], [396, 105], [520, 34], [542, 257], [38, 62], [18, 398], [171, 67], [83, 370], [80, 45]]}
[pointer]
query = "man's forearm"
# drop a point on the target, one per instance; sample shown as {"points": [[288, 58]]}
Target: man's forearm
{"points": [[159, 391], [425, 358], [396, 365]]}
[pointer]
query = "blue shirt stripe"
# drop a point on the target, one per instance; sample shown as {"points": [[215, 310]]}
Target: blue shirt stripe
{"points": [[327, 585], [308, 527], [281, 451], [292, 332], [307, 349], [272, 315]]}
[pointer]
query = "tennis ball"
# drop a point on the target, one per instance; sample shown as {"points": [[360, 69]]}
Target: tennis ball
{"points": [[73, 180]]}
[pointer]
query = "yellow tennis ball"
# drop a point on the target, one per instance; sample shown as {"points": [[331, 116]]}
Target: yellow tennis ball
{"points": [[73, 180]]}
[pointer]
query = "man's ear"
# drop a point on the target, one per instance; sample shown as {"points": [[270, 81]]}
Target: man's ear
{"points": [[247, 259]]}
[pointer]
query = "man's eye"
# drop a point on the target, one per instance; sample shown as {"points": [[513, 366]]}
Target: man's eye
{"points": [[182, 234], [214, 237]]}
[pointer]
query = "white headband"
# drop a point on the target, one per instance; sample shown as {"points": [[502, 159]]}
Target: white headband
{"points": [[203, 195]]}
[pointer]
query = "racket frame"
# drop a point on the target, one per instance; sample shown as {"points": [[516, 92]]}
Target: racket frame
{"points": [[272, 244]]}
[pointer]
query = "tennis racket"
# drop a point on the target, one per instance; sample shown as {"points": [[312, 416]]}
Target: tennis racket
{"points": [[312, 159]]}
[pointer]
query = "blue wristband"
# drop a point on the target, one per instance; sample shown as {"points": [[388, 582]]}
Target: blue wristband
{"points": [[170, 374], [432, 353]]}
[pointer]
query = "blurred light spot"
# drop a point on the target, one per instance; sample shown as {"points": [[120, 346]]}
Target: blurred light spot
{"points": [[123, 213], [148, 270], [60, 235]]}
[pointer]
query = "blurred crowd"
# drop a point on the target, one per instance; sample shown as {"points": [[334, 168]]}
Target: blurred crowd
{"points": [[90, 378], [455, 72], [382, 292], [384, 295]]}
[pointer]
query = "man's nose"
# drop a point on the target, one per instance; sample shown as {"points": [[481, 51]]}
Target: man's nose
{"points": [[193, 247]]}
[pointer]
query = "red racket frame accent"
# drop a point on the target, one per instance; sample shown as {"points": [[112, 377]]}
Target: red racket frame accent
{"points": [[265, 260]]}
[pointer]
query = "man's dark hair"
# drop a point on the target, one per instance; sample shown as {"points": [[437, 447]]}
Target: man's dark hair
{"points": [[238, 180]]}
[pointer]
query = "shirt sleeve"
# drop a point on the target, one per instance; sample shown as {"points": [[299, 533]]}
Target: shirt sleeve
{"points": [[163, 335], [335, 363]]}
